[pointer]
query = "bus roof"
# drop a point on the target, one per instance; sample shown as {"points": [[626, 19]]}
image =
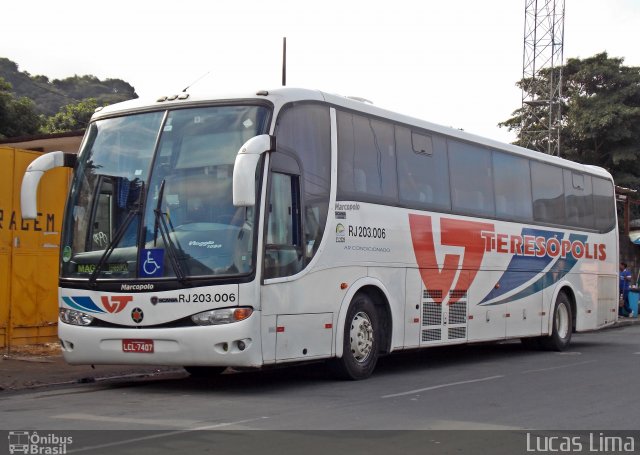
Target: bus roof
{"points": [[281, 96]]}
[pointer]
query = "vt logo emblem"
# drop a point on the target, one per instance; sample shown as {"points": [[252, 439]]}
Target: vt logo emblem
{"points": [[115, 303], [458, 233]]}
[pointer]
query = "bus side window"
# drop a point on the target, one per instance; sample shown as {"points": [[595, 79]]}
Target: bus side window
{"points": [[283, 250], [423, 173]]}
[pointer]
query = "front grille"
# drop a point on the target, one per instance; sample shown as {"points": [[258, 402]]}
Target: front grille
{"points": [[184, 322]]}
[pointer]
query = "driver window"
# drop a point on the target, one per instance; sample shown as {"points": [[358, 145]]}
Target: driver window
{"points": [[102, 226], [116, 198], [283, 251]]}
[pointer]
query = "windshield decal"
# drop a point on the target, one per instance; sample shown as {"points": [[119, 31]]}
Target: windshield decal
{"points": [[152, 263]]}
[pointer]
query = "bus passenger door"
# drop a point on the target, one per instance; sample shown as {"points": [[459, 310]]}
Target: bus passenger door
{"points": [[283, 244], [300, 332]]}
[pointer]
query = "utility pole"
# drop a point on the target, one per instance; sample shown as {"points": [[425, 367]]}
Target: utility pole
{"points": [[542, 96]]}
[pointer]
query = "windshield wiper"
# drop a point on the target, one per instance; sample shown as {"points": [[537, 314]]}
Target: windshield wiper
{"points": [[160, 225], [135, 211], [158, 210]]}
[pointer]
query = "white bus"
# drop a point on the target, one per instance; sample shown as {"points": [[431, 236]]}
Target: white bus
{"points": [[293, 225]]}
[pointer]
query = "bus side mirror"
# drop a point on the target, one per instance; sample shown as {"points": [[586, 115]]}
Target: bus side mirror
{"points": [[244, 170], [31, 179]]}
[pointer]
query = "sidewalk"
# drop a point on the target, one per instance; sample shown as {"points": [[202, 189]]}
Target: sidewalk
{"points": [[30, 367]]}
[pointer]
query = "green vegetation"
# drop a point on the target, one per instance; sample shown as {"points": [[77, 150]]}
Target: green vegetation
{"points": [[34, 104], [71, 117], [18, 116], [600, 116]]}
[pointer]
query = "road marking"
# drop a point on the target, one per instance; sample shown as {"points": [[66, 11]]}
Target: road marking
{"points": [[559, 367], [465, 425], [441, 386], [163, 435], [155, 422]]}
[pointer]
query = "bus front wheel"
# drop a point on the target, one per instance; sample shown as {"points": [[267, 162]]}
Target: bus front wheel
{"points": [[361, 340]]}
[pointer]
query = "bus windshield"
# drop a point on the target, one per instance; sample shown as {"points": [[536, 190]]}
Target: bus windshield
{"points": [[152, 196]]}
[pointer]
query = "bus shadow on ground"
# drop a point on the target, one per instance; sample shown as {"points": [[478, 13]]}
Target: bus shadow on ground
{"points": [[297, 376]]}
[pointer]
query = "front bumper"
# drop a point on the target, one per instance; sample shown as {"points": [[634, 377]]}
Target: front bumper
{"points": [[232, 345]]}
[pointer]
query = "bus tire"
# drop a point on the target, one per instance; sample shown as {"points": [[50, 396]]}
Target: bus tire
{"points": [[361, 343], [204, 372], [562, 325]]}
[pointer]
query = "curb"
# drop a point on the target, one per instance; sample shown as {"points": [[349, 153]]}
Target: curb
{"points": [[625, 322]]}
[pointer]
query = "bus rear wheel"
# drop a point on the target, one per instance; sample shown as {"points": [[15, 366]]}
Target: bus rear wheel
{"points": [[562, 325], [361, 340]]}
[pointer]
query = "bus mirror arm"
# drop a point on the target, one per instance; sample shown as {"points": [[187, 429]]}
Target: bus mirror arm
{"points": [[31, 179], [244, 170]]}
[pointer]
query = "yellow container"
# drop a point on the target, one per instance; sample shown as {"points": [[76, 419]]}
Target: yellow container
{"points": [[29, 251]]}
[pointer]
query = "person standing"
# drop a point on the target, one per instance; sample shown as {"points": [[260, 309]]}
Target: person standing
{"points": [[625, 281]]}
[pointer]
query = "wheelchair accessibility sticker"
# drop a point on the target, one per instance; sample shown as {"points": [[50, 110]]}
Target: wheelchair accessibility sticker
{"points": [[152, 263]]}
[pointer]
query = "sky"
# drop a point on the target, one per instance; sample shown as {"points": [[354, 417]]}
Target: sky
{"points": [[451, 62]]}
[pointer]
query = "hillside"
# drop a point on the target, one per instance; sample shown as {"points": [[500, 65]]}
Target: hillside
{"points": [[50, 95]]}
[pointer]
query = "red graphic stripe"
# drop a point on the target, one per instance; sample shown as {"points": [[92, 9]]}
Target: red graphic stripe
{"points": [[465, 234]]}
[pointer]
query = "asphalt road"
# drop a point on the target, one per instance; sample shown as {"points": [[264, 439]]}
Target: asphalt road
{"points": [[594, 386]]}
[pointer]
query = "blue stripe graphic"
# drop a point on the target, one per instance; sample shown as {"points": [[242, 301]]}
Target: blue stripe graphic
{"points": [[557, 271], [522, 269], [83, 304]]}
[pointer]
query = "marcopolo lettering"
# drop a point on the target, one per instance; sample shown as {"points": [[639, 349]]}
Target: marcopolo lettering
{"points": [[343, 206], [137, 287], [44, 222]]}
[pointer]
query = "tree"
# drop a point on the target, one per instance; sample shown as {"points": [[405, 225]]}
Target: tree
{"points": [[600, 109], [71, 117], [18, 117], [50, 95]]}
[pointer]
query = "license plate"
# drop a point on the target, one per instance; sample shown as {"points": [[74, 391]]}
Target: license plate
{"points": [[141, 346]]}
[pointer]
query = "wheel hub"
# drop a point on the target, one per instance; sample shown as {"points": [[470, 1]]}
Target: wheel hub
{"points": [[562, 321], [361, 336]]}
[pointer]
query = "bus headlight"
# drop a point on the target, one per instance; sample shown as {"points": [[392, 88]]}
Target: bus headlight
{"points": [[222, 316], [74, 317]]}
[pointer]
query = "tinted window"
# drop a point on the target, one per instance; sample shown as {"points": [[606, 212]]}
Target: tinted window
{"points": [[603, 204], [423, 174], [367, 159], [548, 193], [512, 183], [578, 199], [471, 179], [304, 130], [283, 250]]}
